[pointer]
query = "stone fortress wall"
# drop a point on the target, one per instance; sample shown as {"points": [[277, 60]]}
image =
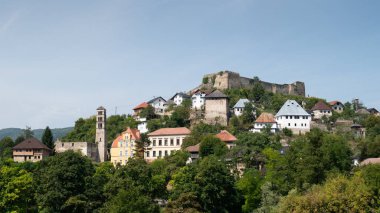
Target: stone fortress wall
{"points": [[227, 80]]}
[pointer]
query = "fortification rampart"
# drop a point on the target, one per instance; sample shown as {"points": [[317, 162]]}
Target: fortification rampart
{"points": [[227, 80]]}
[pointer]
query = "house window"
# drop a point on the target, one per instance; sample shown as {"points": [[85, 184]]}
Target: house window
{"points": [[177, 141], [295, 124], [166, 153], [72, 144], [288, 124], [154, 153], [160, 142], [296, 117], [159, 153], [62, 144], [166, 142], [126, 153], [171, 142], [286, 117], [154, 142], [121, 153], [147, 154]]}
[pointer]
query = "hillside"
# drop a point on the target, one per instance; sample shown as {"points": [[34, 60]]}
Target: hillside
{"points": [[15, 132]]}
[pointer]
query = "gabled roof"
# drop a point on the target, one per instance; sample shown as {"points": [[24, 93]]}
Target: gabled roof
{"points": [[154, 99], [31, 143], [194, 148], [183, 95], [241, 103], [291, 107], [141, 106], [320, 106], [265, 118], [216, 94], [373, 111], [332, 103], [135, 133], [171, 131], [225, 136]]}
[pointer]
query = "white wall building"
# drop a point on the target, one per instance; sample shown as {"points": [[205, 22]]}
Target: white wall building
{"points": [[239, 107], [158, 104], [142, 126], [264, 120], [293, 117], [178, 98], [321, 109], [337, 106], [198, 99], [164, 142]]}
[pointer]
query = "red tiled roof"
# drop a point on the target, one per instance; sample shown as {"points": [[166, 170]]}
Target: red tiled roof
{"points": [[265, 118], [141, 106], [31, 143], [225, 136], [370, 161], [194, 148], [135, 136], [320, 106], [332, 103], [171, 131]]}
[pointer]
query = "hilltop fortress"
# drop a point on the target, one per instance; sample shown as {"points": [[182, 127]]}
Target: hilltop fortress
{"points": [[229, 80]]}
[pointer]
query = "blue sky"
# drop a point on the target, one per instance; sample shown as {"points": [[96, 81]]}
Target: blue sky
{"points": [[60, 60]]}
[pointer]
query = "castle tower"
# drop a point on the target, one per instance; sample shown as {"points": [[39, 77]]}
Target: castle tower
{"points": [[100, 138]]}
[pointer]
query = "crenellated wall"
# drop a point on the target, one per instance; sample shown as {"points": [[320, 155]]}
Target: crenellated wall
{"points": [[227, 80]]}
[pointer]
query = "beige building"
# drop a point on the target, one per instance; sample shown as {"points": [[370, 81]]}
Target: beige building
{"points": [[165, 141], [216, 108], [30, 150], [321, 109], [124, 146], [337, 106]]}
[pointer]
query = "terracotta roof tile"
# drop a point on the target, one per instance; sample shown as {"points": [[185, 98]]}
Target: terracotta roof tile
{"points": [[225, 136], [135, 136], [116, 141], [332, 103], [31, 143], [141, 106], [321, 106], [194, 148], [370, 161], [266, 118], [171, 131]]}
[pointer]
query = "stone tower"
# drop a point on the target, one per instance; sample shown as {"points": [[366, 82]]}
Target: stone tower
{"points": [[216, 108], [100, 138]]}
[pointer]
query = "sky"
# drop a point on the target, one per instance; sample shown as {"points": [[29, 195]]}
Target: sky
{"points": [[60, 60]]}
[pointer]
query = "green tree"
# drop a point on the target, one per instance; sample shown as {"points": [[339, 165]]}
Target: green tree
{"points": [[148, 113], [250, 185], [6, 145], [19, 139], [60, 180], [28, 133], [211, 145], [47, 138]]}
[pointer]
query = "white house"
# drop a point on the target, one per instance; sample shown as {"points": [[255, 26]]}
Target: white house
{"points": [[142, 125], [158, 104], [321, 109], [337, 106], [264, 120], [164, 142], [178, 98], [294, 117], [239, 106], [198, 99]]}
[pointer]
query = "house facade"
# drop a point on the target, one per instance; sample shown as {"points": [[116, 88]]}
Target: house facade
{"points": [[294, 117], [216, 108], [239, 106], [124, 146], [137, 110], [178, 98], [198, 100], [142, 126], [158, 104], [337, 106], [31, 150], [321, 109], [164, 142], [265, 120]]}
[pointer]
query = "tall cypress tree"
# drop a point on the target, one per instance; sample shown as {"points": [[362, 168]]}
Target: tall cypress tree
{"points": [[47, 138]]}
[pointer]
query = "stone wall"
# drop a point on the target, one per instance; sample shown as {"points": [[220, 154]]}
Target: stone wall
{"points": [[216, 111], [85, 148], [227, 80]]}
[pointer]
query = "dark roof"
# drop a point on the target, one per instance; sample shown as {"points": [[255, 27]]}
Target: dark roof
{"points": [[101, 108], [321, 106], [184, 95], [151, 101], [216, 94], [31, 143], [373, 111]]}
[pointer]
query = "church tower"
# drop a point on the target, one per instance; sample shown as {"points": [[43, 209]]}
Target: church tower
{"points": [[100, 138]]}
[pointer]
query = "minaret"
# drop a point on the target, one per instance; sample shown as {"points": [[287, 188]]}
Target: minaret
{"points": [[100, 138]]}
